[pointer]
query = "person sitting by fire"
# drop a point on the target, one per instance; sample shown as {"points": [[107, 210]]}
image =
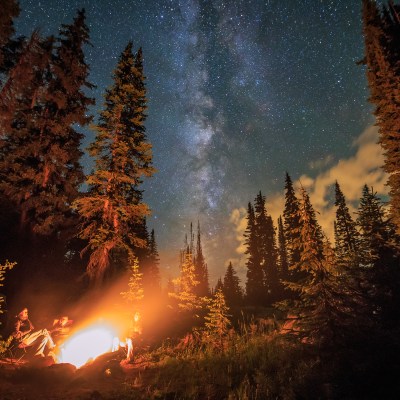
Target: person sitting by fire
{"points": [[26, 336], [61, 329], [134, 333]]}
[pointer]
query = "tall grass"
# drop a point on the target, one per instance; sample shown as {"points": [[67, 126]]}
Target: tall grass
{"points": [[253, 365]]}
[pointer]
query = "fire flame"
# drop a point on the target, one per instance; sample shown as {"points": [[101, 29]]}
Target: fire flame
{"points": [[86, 345]]}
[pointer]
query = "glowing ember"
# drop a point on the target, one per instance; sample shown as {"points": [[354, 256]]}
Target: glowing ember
{"points": [[86, 345]]}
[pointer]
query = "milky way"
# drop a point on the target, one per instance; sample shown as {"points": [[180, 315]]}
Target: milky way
{"points": [[239, 92]]}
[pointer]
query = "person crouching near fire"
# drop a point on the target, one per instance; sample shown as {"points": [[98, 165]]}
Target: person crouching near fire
{"points": [[25, 334], [61, 329]]}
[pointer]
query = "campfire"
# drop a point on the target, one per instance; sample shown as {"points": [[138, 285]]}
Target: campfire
{"points": [[86, 344]]}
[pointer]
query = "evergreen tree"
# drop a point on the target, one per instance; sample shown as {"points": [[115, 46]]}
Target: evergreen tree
{"points": [[134, 298], [217, 321], [3, 268], [231, 287], [382, 58], [380, 257], [346, 234], [201, 269], [135, 293], [20, 144], [10, 10], [112, 212], [321, 310], [151, 270], [291, 223], [40, 151], [282, 257], [266, 242], [218, 286], [255, 292], [185, 285]]}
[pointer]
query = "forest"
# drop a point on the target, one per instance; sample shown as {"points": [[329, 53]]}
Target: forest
{"points": [[316, 318]]}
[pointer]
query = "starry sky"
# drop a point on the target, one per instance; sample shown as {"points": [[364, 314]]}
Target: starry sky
{"points": [[239, 92]]}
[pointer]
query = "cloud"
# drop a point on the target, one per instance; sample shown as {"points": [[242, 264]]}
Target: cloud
{"points": [[351, 173], [319, 164]]}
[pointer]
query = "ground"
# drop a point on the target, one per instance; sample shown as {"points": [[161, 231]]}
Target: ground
{"points": [[107, 377]]}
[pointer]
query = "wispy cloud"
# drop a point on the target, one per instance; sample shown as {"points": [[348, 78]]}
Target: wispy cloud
{"points": [[351, 173]]}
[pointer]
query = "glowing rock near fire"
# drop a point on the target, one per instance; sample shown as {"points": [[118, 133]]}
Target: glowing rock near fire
{"points": [[86, 345]]}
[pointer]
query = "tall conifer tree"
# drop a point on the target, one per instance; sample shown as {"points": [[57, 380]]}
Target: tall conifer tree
{"points": [[150, 266], [231, 287], [346, 234], [113, 209], [321, 311], [291, 221], [282, 257], [255, 292], [185, 285], [201, 270], [382, 58], [9, 11], [266, 242], [40, 148], [380, 257]]}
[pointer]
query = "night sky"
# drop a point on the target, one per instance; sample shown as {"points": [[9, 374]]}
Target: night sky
{"points": [[239, 92]]}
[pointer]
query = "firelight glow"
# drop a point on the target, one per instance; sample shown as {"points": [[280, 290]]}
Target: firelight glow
{"points": [[86, 345]]}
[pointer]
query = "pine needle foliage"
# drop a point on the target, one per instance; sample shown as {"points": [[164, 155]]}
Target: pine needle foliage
{"points": [[347, 238], [9, 11], [255, 276], [231, 287], [217, 321], [3, 269], [203, 288], [380, 257], [43, 102], [322, 310], [381, 28], [112, 211], [135, 293], [185, 285]]}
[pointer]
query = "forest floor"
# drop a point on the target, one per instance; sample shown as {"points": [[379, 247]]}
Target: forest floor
{"points": [[107, 377]]}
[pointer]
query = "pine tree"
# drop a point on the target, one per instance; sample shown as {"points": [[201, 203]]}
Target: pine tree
{"points": [[135, 293], [217, 321], [201, 269], [219, 285], [3, 269], [10, 11], [20, 144], [379, 256], [346, 234], [255, 292], [112, 212], [382, 58], [291, 223], [185, 285], [134, 298], [151, 270], [266, 242], [40, 151], [282, 257], [231, 287], [321, 310]]}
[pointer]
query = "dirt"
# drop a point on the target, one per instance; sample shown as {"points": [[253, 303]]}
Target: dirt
{"points": [[107, 377]]}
